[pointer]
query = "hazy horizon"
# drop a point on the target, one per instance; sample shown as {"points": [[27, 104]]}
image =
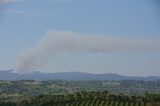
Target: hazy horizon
{"points": [[108, 36]]}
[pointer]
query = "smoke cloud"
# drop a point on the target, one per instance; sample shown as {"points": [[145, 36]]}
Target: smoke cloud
{"points": [[10, 1], [59, 41]]}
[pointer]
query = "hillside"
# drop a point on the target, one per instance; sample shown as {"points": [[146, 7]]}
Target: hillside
{"points": [[9, 75]]}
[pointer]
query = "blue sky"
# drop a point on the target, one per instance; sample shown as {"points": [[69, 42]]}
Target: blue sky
{"points": [[24, 22]]}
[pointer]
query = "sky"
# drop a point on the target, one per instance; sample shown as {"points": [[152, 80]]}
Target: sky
{"points": [[26, 27]]}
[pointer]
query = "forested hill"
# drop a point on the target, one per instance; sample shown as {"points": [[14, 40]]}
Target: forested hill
{"points": [[9, 75]]}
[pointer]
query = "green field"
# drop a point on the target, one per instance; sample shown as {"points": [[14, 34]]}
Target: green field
{"points": [[79, 93], [84, 98]]}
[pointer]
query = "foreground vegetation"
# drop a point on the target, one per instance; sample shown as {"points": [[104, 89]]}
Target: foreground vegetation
{"points": [[84, 98], [79, 93]]}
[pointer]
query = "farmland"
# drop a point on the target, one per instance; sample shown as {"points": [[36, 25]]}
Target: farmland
{"points": [[79, 93], [84, 98]]}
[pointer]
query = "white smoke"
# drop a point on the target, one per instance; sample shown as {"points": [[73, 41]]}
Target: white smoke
{"points": [[59, 41]]}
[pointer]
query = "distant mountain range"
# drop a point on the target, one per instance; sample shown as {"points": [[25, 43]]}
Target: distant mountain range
{"points": [[9, 75]]}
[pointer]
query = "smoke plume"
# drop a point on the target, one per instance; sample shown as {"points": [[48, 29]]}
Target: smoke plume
{"points": [[59, 41]]}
